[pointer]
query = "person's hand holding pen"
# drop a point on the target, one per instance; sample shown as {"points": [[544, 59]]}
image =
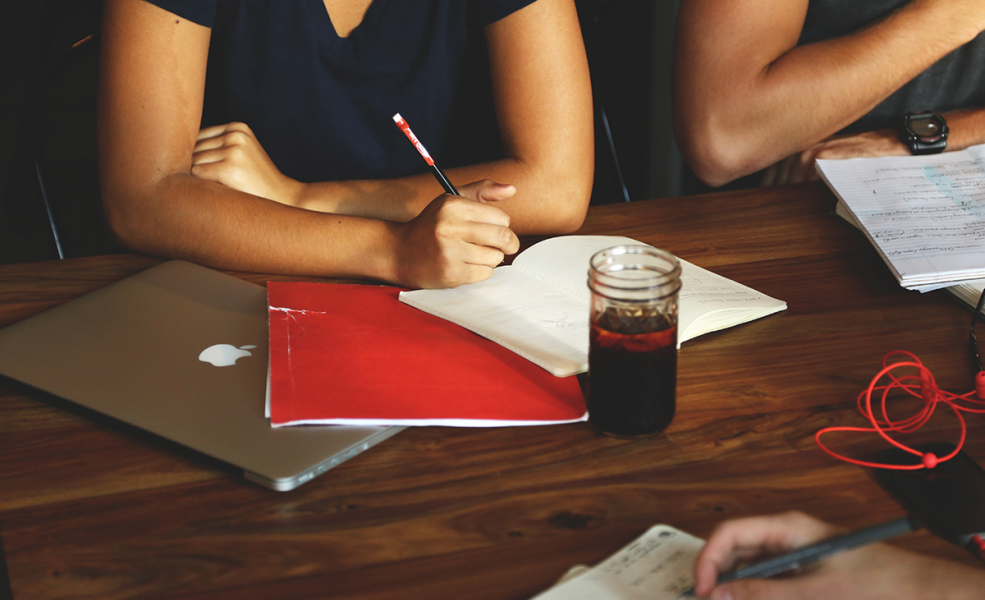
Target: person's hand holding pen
{"points": [[456, 239], [460, 237], [870, 572]]}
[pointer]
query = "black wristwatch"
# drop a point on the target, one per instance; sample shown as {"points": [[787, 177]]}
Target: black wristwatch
{"points": [[923, 132]]}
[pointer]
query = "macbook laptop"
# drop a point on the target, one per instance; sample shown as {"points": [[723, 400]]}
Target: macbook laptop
{"points": [[180, 351]]}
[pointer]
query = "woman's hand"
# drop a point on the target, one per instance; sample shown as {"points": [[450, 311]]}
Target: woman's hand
{"points": [[231, 155], [456, 239], [878, 571]]}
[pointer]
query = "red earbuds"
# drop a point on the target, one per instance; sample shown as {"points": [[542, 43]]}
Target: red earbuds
{"points": [[980, 385], [919, 385]]}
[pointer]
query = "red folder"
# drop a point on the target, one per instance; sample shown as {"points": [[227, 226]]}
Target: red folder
{"points": [[356, 355]]}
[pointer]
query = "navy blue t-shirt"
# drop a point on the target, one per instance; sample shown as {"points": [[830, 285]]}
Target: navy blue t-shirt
{"points": [[322, 105]]}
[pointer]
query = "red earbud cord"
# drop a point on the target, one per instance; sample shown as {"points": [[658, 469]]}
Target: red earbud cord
{"points": [[921, 385]]}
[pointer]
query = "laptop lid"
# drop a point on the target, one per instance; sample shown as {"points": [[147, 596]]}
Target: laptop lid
{"points": [[180, 351]]}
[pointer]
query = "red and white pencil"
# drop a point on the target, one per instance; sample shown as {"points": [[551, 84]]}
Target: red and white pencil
{"points": [[439, 175]]}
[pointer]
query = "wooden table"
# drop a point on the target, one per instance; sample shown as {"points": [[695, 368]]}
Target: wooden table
{"points": [[87, 510]]}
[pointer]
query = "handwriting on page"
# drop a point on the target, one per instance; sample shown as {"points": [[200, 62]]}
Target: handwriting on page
{"points": [[550, 317], [707, 291], [657, 566], [941, 205], [925, 214]]}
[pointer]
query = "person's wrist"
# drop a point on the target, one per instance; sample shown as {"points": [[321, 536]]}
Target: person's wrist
{"points": [[295, 193], [385, 262]]}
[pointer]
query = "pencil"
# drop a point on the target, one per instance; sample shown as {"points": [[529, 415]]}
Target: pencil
{"points": [[438, 174], [815, 552]]}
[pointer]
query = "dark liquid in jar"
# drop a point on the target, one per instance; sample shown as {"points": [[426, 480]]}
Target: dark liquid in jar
{"points": [[632, 378]]}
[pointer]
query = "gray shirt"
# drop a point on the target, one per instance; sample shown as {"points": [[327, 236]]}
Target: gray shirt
{"points": [[955, 81]]}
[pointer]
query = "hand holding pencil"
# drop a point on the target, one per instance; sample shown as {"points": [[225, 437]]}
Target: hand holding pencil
{"points": [[460, 237], [876, 571]]}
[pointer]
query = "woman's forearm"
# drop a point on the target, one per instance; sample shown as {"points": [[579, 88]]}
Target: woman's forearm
{"points": [[548, 200]]}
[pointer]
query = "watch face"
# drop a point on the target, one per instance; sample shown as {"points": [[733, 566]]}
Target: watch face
{"points": [[923, 132], [925, 126]]}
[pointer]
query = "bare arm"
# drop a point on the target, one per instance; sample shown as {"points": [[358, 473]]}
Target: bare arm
{"points": [[544, 107], [747, 97], [152, 75], [967, 129]]}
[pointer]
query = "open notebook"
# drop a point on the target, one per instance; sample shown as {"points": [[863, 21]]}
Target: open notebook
{"points": [[538, 306]]}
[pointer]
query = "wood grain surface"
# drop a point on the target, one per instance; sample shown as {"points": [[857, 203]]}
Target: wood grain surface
{"points": [[89, 509]]}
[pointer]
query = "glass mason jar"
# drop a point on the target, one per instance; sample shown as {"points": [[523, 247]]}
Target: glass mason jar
{"points": [[632, 359]]}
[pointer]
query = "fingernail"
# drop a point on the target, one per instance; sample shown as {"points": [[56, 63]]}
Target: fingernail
{"points": [[721, 593]]}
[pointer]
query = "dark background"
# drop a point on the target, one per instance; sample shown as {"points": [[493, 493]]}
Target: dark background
{"points": [[37, 35], [629, 41]]}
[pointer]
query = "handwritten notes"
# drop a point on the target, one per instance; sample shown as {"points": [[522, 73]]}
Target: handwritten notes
{"points": [[924, 214], [659, 565], [538, 307]]}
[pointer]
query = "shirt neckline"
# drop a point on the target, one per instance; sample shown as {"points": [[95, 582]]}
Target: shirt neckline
{"points": [[374, 14]]}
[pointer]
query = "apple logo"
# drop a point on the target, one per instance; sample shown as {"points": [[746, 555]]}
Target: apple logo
{"points": [[224, 355]]}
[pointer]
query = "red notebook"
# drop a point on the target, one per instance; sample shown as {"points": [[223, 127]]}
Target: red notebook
{"points": [[356, 355]]}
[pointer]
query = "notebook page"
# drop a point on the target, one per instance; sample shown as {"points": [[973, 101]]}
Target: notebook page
{"points": [[710, 302], [544, 324], [925, 214], [659, 565], [563, 261]]}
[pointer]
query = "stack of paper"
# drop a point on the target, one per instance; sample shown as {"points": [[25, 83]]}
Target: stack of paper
{"points": [[969, 292], [924, 214]]}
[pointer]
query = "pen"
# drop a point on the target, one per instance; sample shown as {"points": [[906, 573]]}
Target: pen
{"points": [[438, 174], [814, 552]]}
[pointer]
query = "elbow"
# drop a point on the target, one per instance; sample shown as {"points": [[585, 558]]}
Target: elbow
{"points": [[570, 215], [715, 150], [554, 200], [565, 224], [126, 220], [567, 214], [122, 225], [126, 205], [576, 195], [715, 156]]}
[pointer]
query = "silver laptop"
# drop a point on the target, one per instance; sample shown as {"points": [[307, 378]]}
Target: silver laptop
{"points": [[144, 351]]}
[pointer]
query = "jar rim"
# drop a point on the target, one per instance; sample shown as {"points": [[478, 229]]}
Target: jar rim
{"points": [[656, 278]]}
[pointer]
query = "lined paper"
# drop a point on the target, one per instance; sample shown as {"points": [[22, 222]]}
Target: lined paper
{"points": [[924, 214]]}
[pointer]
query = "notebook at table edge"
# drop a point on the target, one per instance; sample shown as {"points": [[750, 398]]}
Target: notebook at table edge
{"points": [[101, 351]]}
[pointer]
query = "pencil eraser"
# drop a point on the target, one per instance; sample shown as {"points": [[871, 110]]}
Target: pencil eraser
{"points": [[397, 118]]}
